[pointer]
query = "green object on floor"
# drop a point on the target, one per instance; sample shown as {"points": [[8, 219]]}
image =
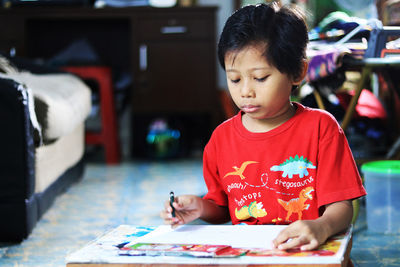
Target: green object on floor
{"points": [[382, 182]]}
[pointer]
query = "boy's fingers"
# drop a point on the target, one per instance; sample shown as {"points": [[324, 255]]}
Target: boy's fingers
{"points": [[168, 219], [313, 244], [179, 203], [176, 200], [282, 237], [303, 242], [292, 243], [167, 212], [166, 204], [167, 209]]}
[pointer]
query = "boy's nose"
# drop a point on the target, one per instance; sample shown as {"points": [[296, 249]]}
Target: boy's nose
{"points": [[247, 91]]}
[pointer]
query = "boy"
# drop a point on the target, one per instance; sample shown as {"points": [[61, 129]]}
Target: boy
{"points": [[276, 161]]}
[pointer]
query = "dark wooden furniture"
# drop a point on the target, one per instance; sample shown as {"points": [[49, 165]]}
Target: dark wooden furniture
{"points": [[170, 54]]}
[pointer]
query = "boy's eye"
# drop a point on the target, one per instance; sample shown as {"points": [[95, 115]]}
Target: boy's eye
{"points": [[261, 79]]}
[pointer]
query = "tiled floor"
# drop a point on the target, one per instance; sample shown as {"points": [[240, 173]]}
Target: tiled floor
{"points": [[133, 193], [372, 249]]}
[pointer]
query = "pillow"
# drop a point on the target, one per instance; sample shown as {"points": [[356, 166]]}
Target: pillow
{"points": [[62, 101]]}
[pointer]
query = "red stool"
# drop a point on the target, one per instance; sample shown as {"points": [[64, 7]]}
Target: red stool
{"points": [[108, 136]]}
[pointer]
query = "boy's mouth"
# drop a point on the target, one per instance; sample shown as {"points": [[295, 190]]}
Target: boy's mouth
{"points": [[250, 108]]}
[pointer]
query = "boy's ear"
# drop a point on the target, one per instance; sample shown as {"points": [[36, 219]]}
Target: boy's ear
{"points": [[303, 74]]}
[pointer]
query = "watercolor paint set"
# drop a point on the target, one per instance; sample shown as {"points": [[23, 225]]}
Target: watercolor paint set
{"points": [[192, 250]]}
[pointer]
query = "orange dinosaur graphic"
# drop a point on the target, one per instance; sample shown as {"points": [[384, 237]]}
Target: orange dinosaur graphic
{"points": [[297, 205], [239, 171]]}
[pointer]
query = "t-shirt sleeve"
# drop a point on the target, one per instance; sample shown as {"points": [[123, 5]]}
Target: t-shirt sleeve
{"points": [[211, 176], [338, 178]]}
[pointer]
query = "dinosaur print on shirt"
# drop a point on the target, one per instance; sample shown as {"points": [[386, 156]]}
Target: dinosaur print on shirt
{"points": [[261, 185], [239, 171], [297, 205], [254, 210], [294, 166]]}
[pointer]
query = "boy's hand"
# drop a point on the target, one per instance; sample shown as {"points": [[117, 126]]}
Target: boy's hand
{"points": [[307, 235], [187, 209]]}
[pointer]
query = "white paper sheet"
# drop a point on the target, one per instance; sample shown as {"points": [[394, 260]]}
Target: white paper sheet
{"points": [[239, 236]]}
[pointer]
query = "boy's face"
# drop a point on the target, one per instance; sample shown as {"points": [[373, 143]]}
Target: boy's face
{"points": [[257, 88]]}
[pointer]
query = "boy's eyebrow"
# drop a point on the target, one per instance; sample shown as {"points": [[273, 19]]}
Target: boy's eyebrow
{"points": [[252, 69], [261, 68]]}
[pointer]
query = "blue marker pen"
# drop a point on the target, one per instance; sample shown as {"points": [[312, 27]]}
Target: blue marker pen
{"points": [[171, 200]]}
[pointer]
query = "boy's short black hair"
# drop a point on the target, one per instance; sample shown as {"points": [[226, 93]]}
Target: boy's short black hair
{"points": [[283, 30]]}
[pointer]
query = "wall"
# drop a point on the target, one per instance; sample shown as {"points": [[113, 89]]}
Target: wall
{"points": [[224, 11]]}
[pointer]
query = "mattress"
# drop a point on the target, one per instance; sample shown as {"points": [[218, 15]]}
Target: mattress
{"points": [[54, 159]]}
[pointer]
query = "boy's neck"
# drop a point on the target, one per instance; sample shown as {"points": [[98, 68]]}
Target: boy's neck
{"points": [[265, 125]]}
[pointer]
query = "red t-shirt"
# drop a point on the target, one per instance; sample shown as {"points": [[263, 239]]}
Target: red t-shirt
{"points": [[282, 175]]}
